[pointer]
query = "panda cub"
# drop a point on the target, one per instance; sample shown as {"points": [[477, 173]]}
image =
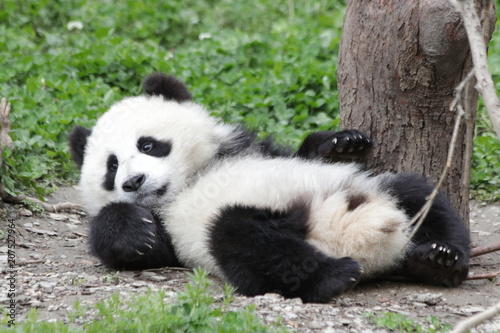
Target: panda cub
{"points": [[167, 185]]}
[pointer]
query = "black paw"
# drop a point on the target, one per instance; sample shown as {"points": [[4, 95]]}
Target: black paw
{"points": [[123, 234], [345, 145], [138, 239], [439, 263], [335, 278]]}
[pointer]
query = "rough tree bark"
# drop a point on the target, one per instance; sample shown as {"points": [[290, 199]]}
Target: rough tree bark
{"points": [[399, 63]]}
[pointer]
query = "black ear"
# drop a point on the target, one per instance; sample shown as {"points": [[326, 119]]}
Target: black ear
{"points": [[77, 142], [167, 86]]}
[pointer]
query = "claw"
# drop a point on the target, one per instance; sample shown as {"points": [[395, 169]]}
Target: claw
{"points": [[151, 234], [152, 240], [353, 279], [334, 141], [456, 257], [147, 220], [139, 252], [149, 246], [433, 246]]}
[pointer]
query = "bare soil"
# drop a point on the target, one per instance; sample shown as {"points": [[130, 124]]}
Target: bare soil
{"points": [[54, 269]]}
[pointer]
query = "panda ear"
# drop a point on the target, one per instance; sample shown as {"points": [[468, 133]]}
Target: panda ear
{"points": [[167, 86], [77, 142]]}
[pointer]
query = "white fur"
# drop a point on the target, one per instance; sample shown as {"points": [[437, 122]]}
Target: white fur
{"points": [[277, 184], [194, 135]]}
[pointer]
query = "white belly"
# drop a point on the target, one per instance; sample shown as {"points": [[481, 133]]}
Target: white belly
{"points": [[371, 233]]}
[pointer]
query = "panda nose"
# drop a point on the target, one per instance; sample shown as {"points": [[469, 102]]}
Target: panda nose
{"points": [[134, 183]]}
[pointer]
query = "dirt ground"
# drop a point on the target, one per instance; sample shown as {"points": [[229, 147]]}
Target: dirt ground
{"points": [[54, 269]]}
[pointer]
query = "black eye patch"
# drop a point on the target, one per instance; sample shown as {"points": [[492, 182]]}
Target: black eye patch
{"points": [[152, 147], [111, 168]]}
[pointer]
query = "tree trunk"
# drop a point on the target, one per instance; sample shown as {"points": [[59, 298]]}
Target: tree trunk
{"points": [[399, 63]]}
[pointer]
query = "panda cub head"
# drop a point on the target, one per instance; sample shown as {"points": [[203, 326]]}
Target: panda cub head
{"points": [[145, 148]]}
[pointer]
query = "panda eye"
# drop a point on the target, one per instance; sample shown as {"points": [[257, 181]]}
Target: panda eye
{"points": [[109, 178], [146, 147], [154, 147], [112, 163]]}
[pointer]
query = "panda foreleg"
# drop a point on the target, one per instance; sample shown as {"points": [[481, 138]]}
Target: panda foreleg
{"points": [[441, 245], [342, 146], [126, 236], [261, 251]]}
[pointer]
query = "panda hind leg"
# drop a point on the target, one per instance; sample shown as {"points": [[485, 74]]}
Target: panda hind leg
{"points": [[261, 251], [442, 243]]}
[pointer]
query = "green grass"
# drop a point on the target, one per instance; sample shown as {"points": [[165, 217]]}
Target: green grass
{"points": [[269, 64], [197, 309], [259, 66], [399, 323]]}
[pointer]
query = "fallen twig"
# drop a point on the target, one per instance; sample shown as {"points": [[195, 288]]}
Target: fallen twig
{"points": [[30, 262], [48, 207], [81, 234], [480, 250], [485, 276], [162, 269], [473, 321]]}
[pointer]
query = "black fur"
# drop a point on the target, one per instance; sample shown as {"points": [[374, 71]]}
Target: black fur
{"points": [[152, 147], [109, 178], [269, 148], [348, 145], [126, 236], [169, 87], [261, 251], [244, 139], [441, 253], [77, 142]]}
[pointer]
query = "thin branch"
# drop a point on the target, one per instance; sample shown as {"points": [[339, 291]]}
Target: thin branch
{"points": [[473, 321], [476, 36], [480, 250], [20, 198], [419, 218], [5, 140], [486, 276], [30, 262]]}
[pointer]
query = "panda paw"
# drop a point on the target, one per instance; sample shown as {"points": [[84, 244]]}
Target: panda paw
{"points": [[332, 146], [122, 235], [138, 240], [337, 277], [439, 263], [349, 142]]}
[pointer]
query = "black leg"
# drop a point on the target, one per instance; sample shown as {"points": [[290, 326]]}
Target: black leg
{"points": [[441, 253], [343, 146], [126, 236], [261, 251]]}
